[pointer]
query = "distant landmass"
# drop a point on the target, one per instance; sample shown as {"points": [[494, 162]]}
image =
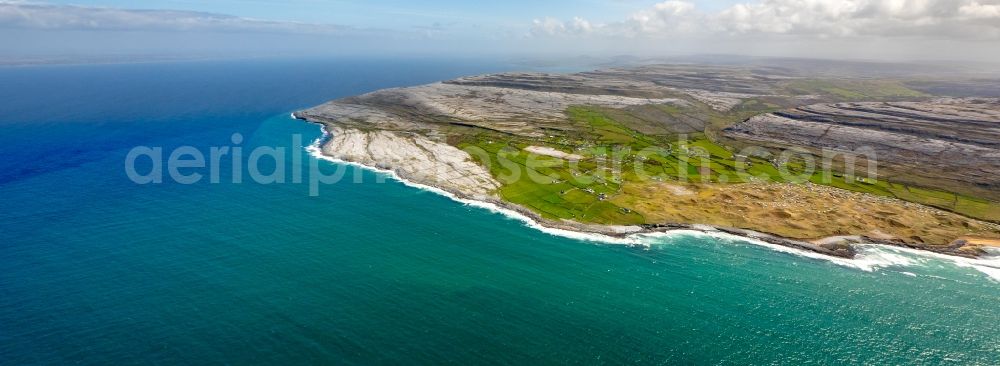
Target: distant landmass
{"points": [[737, 148]]}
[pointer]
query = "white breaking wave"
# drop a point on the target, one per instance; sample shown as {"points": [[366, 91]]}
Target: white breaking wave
{"points": [[870, 257], [989, 265]]}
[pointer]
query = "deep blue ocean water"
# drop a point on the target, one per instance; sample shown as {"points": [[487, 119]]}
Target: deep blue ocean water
{"points": [[95, 269]]}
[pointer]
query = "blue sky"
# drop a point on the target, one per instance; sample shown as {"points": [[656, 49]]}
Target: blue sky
{"points": [[857, 29], [381, 13], [398, 13]]}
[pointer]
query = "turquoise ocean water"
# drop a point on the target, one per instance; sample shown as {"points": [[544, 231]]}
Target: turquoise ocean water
{"points": [[95, 269]]}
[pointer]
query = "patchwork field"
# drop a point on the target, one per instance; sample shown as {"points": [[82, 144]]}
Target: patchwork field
{"points": [[727, 146]]}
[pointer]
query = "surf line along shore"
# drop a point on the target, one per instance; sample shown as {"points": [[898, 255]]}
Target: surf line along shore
{"points": [[836, 246]]}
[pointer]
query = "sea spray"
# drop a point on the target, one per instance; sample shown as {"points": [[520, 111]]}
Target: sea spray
{"points": [[874, 256]]}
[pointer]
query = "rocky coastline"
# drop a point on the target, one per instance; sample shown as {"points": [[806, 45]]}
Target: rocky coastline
{"points": [[936, 188], [836, 246]]}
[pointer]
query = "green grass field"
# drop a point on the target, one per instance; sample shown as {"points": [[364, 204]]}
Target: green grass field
{"points": [[614, 154]]}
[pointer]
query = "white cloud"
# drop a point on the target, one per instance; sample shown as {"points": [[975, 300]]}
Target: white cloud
{"points": [[547, 27], [580, 25], [550, 27], [976, 10], [666, 17], [954, 19], [64, 17]]}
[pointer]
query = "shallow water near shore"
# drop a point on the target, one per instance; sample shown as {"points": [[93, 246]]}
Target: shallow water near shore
{"points": [[95, 269]]}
